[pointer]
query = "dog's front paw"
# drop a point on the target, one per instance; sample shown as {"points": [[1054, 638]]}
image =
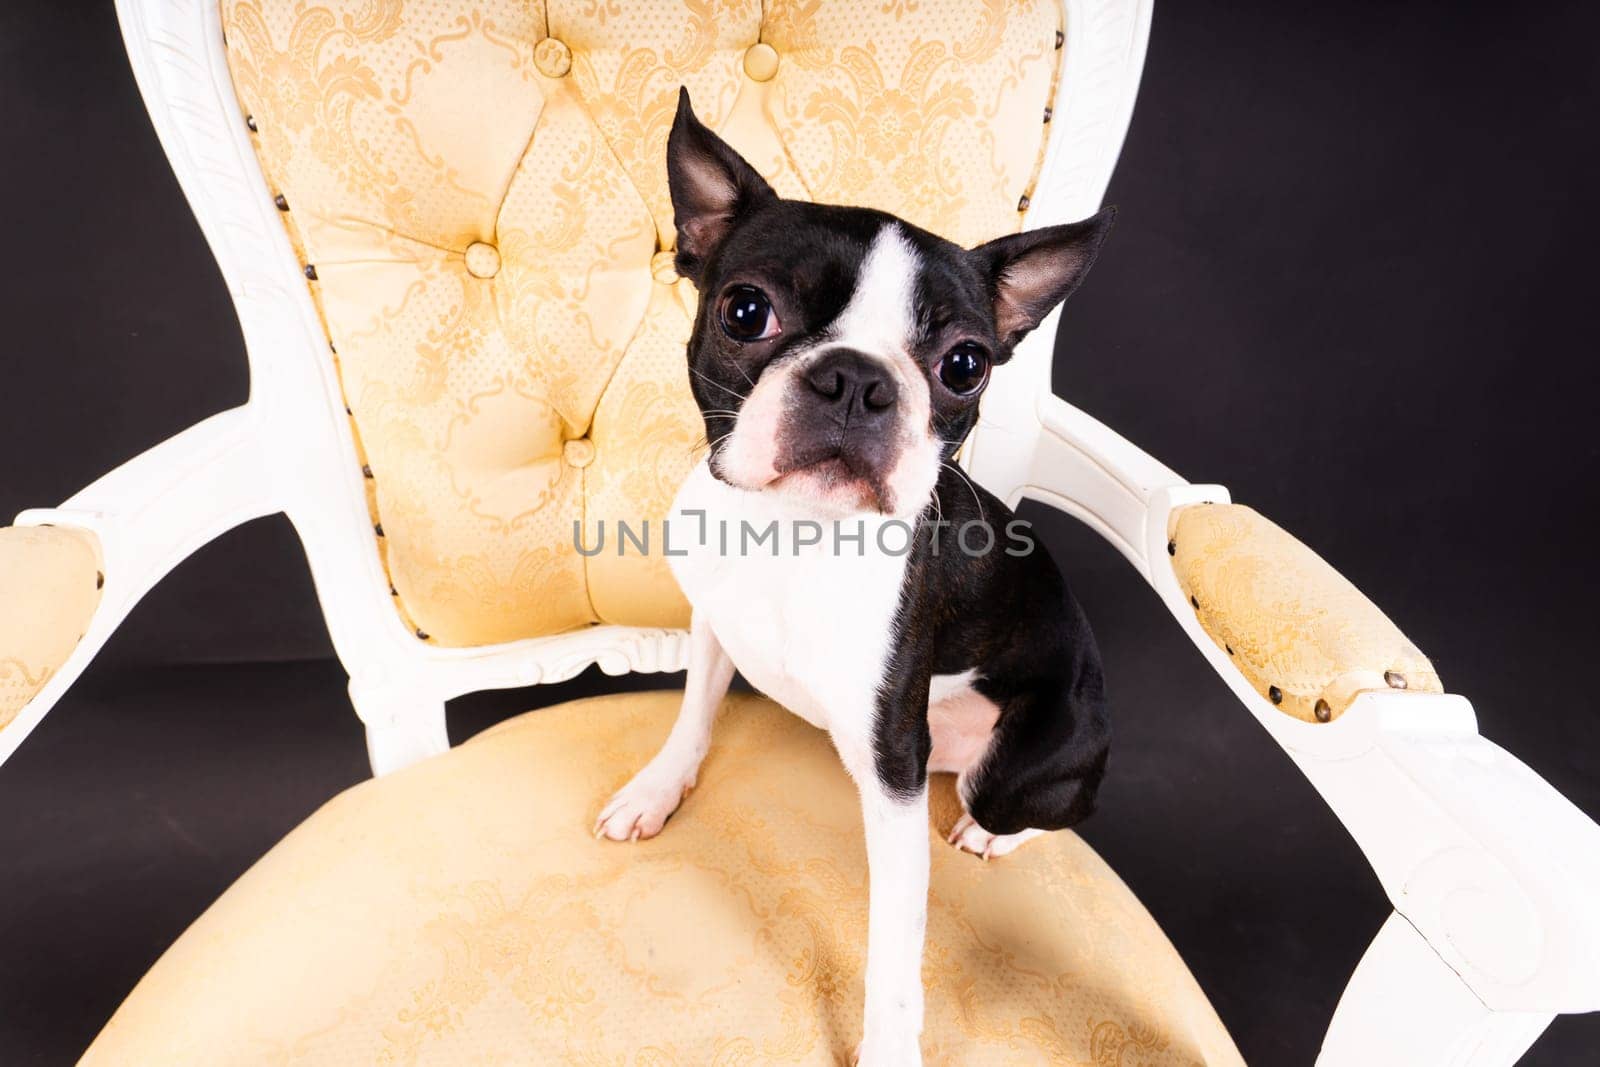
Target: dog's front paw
{"points": [[640, 809], [968, 836]]}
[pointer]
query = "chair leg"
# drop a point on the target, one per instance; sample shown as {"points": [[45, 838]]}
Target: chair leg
{"points": [[400, 735], [1404, 1005]]}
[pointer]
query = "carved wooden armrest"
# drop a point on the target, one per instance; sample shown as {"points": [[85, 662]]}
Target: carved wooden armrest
{"points": [[1298, 630]]}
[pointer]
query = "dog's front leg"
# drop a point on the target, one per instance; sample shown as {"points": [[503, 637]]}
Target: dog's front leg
{"points": [[897, 917], [896, 823], [640, 808]]}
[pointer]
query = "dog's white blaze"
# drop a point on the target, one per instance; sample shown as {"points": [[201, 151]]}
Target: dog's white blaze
{"points": [[881, 317], [881, 320]]}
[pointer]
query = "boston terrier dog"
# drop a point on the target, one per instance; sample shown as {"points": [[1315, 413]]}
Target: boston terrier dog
{"points": [[838, 357]]}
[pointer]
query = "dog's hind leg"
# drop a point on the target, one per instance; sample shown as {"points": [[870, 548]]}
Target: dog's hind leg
{"points": [[1043, 767], [640, 809], [962, 723]]}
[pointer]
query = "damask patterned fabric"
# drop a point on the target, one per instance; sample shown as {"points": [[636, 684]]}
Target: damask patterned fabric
{"points": [[479, 191], [49, 588], [460, 912], [1304, 636]]}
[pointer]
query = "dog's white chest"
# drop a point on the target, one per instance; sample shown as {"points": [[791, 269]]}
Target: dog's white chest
{"points": [[809, 625]]}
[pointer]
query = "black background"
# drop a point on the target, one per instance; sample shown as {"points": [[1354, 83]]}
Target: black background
{"points": [[1352, 279]]}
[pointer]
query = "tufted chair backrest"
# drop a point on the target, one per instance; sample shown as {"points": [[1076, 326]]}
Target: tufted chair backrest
{"points": [[478, 193]]}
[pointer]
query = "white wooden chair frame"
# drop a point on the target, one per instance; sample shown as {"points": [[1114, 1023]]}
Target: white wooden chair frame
{"points": [[1493, 874]]}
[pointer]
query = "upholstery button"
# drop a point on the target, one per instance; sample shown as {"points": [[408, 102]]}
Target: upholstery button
{"points": [[483, 260], [578, 452], [761, 61], [552, 57], [664, 268]]}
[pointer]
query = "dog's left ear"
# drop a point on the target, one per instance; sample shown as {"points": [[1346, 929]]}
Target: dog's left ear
{"points": [[711, 187], [1029, 273]]}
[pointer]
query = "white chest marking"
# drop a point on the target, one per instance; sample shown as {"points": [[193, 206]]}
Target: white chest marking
{"points": [[812, 625]]}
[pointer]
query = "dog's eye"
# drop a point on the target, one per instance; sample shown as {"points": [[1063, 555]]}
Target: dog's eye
{"points": [[746, 314], [964, 369]]}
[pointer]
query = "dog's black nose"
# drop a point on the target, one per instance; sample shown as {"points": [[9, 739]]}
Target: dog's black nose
{"points": [[852, 384]]}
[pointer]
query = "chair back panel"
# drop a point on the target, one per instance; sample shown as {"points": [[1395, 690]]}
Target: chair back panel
{"points": [[478, 193]]}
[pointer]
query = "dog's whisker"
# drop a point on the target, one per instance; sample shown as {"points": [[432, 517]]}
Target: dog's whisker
{"points": [[718, 385], [745, 375], [959, 473]]}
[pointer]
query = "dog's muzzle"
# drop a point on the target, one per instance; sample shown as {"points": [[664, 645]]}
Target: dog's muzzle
{"points": [[844, 425]]}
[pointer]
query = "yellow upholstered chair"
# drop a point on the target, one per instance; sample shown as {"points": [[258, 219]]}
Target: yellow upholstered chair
{"points": [[446, 229]]}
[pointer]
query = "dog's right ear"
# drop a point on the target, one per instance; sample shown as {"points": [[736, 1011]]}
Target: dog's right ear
{"points": [[711, 187]]}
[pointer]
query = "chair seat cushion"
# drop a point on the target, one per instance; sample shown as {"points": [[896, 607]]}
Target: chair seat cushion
{"points": [[461, 912]]}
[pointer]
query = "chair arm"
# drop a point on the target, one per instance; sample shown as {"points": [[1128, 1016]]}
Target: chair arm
{"points": [[69, 575], [1490, 864], [1299, 631]]}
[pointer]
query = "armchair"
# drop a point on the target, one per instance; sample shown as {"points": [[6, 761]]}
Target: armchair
{"points": [[443, 227]]}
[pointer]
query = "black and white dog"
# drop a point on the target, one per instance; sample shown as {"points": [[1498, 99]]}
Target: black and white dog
{"points": [[837, 357]]}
